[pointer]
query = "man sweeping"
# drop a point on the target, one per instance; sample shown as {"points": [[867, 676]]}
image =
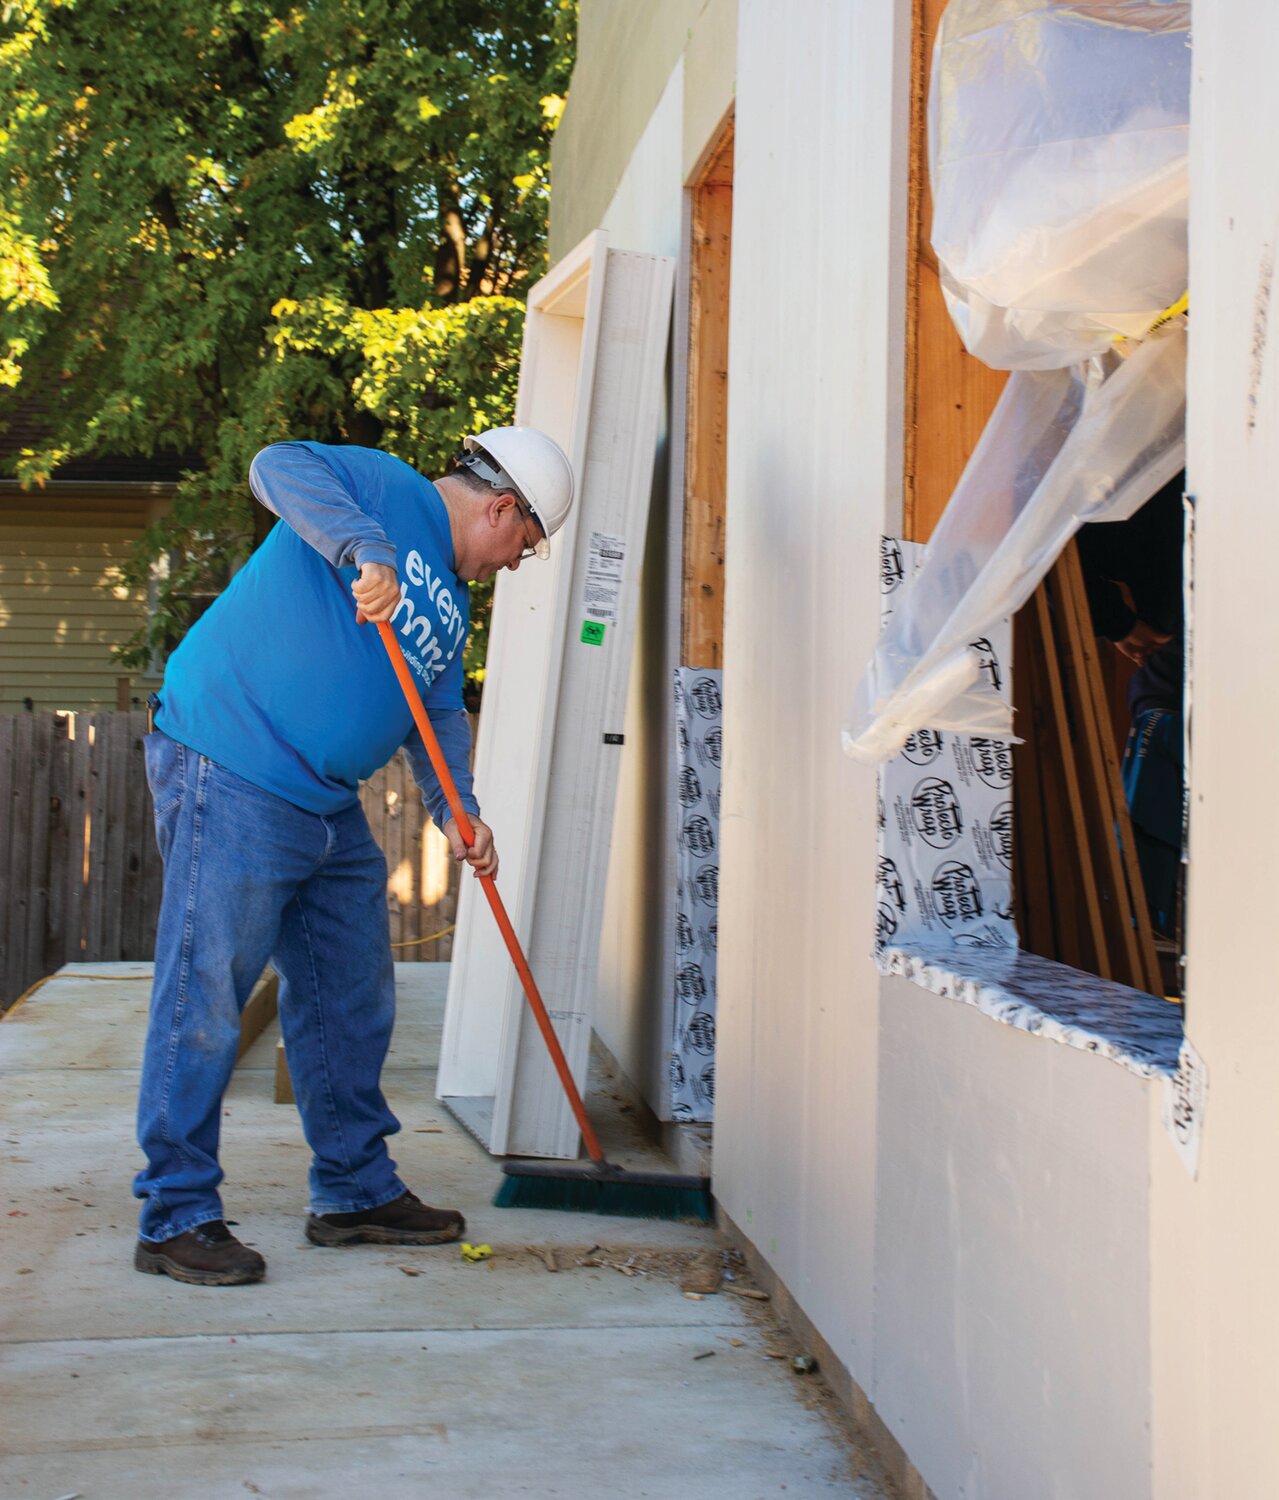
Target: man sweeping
{"points": [[278, 702]]}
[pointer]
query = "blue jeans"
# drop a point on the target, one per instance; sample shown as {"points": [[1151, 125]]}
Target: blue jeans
{"points": [[249, 877]]}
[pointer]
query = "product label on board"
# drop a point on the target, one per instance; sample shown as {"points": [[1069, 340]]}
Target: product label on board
{"points": [[603, 586]]}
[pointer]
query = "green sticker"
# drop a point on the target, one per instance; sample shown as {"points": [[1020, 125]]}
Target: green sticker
{"points": [[592, 632]]}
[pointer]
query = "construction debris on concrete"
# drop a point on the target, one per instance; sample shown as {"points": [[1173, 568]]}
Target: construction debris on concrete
{"points": [[371, 1370]]}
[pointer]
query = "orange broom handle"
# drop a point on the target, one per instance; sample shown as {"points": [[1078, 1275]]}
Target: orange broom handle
{"points": [[536, 1003]]}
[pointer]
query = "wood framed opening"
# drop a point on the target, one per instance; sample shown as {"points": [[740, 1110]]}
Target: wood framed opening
{"points": [[705, 474], [949, 395], [696, 726], [1078, 888]]}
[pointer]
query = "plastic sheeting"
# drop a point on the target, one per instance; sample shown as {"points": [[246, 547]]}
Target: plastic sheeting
{"points": [[1062, 448], [1058, 139]]}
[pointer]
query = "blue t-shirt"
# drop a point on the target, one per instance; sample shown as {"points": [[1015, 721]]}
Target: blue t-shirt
{"points": [[278, 683]]}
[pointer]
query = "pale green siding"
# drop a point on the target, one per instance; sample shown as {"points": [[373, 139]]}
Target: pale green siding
{"points": [[57, 621], [710, 81], [626, 52]]}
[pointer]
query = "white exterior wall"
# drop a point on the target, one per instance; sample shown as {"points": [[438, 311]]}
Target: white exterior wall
{"points": [[1012, 1323], [814, 449], [991, 1231], [633, 1015], [962, 1211], [1216, 1292]]}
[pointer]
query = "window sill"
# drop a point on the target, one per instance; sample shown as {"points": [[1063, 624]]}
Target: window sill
{"points": [[1140, 1032]]}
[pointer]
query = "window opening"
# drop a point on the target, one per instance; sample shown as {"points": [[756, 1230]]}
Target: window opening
{"points": [[1089, 878], [699, 677]]}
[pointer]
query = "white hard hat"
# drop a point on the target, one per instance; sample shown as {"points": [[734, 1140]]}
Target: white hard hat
{"points": [[534, 466]]}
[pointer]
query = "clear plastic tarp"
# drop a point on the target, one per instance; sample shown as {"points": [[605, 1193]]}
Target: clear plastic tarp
{"points": [[1062, 448], [1058, 149], [1058, 138]]}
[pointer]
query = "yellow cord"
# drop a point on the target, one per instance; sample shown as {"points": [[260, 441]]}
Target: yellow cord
{"points": [[118, 978], [416, 942], [40, 983], [1181, 305], [1174, 310]]}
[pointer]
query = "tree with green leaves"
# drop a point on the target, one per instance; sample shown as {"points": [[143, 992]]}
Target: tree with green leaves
{"points": [[225, 223]]}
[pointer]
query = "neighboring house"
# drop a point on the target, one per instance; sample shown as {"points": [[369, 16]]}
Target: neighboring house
{"points": [[60, 551], [1004, 1264]]}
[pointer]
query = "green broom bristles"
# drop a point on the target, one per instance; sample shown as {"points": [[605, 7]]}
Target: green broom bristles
{"points": [[583, 1195]]}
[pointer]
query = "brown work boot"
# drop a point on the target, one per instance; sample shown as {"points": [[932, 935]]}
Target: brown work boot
{"points": [[403, 1221], [208, 1255]]}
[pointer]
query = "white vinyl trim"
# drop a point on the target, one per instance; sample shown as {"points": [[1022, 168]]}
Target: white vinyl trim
{"points": [[591, 377]]}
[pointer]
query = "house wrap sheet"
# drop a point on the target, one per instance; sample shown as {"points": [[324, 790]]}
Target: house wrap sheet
{"points": [[945, 812], [698, 729]]}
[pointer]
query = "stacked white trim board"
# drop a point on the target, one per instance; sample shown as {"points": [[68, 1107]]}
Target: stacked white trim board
{"points": [[550, 738]]}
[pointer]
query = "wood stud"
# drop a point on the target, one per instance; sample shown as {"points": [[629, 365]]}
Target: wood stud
{"points": [[706, 488], [1078, 889], [949, 395]]}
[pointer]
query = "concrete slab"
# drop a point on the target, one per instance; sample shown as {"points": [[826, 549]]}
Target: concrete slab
{"points": [[366, 1370], [97, 1021], [556, 1412]]}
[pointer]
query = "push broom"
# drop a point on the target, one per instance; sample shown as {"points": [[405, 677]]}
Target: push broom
{"points": [[597, 1186]]}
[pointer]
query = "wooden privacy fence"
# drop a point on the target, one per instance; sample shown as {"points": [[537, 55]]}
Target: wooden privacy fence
{"points": [[422, 877], [80, 873], [79, 870]]}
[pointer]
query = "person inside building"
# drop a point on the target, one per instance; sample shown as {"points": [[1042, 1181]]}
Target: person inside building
{"points": [[278, 702], [1133, 575]]}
